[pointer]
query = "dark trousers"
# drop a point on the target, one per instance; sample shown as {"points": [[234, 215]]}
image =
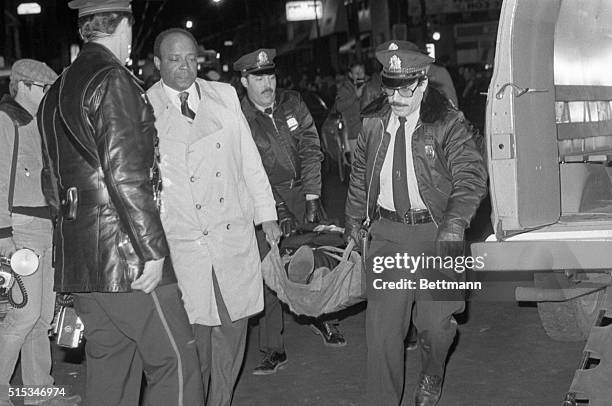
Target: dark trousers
{"points": [[389, 312], [271, 323], [128, 333], [221, 350]]}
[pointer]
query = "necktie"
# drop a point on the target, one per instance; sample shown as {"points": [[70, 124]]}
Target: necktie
{"points": [[401, 200], [268, 110], [187, 112]]}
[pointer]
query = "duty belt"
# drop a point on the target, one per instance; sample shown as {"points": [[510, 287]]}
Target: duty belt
{"points": [[414, 216], [72, 198], [86, 197]]}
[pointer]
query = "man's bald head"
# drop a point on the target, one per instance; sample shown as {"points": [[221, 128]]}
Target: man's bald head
{"points": [[176, 57], [162, 35]]}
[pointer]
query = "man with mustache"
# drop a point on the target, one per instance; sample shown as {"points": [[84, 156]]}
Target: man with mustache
{"points": [[288, 142], [418, 177]]}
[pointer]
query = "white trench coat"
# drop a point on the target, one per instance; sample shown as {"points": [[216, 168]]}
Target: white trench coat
{"points": [[214, 190]]}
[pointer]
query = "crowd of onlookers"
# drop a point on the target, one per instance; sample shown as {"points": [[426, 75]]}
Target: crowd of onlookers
{"points": [[470, 80]]}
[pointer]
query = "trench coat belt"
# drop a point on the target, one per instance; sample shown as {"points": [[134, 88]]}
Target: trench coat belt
{"points": [[413, 216]]}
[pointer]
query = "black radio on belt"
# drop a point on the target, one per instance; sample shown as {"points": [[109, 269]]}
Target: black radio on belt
{"points": [[70, 204], [73, 198]]}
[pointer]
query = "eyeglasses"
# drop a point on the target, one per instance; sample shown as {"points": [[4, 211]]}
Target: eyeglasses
{"points": [[403, 91], [45, 87]]}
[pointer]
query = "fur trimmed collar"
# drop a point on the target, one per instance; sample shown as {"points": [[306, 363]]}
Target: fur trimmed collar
{"points": [[434, 107]]}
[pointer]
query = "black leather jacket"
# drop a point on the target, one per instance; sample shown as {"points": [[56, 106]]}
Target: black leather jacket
{"points": [[450, 170], [289, 145], [98, 135]]}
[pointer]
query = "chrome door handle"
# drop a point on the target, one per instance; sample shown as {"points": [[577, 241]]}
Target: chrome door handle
{"points": [[518, 90]]}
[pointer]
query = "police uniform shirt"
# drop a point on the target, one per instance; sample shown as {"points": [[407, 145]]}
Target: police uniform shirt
{"points": [[193, 100], [385, 198]]}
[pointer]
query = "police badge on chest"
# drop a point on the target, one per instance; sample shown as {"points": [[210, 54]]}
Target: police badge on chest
{"points": [[292, 123], [430, 152]]}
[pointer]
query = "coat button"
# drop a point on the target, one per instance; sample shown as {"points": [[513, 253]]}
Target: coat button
{"points": [[227, 226], [218, 174], [192, 179], [205, 232], [221, 200], [198, 206], [218, 145]]}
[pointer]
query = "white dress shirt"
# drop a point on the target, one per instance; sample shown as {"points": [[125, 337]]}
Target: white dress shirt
{"points": [[385, 197], [193, 100]]}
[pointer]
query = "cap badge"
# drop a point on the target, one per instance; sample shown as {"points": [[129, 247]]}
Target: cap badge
{"points": [[395, 64], [393, 46], [262, 58]]}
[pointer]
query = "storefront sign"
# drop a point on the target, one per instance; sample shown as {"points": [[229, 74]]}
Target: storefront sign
{"points": [[452, 6], [28, 9], [303, 10]]}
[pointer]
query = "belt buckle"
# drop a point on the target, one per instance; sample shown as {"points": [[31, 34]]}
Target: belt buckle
{"points": [[408, 217]]}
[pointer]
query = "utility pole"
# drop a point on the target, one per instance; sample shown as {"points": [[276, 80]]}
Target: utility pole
{"points": [[317, 19], [424, 22], [353, 25]]}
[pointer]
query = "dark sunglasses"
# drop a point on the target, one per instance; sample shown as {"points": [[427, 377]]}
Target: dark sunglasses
{"points": [[403, 91]]}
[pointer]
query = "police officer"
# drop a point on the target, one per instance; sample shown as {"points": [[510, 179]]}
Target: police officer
{"points": [[288, 142], [418, 174], [101, 167]]}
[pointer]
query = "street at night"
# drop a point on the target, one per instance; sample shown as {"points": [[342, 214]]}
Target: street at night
{"points": [[310, 202], [502, 356]]}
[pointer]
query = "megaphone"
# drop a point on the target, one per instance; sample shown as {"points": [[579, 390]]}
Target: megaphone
{"points": [[24, 262]]}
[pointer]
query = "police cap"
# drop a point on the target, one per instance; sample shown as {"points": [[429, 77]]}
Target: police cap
{"points": [[402, 63], [260, 62], [88, 7]]}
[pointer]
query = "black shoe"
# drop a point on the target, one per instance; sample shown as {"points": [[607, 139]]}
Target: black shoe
{"points": [[272, 362], [428, 390], [410, 345], [332, 337]]}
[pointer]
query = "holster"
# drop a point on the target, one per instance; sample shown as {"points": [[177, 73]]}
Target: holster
{"points": [[73, 198], [364, 242], [70, 204]]}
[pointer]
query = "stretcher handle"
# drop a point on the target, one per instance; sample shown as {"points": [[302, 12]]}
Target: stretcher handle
{"points": [[332, 251]]}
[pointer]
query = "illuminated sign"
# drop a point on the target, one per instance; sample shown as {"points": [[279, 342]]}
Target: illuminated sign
{"points": [[452, 6], [28, 8], [303, 10]]}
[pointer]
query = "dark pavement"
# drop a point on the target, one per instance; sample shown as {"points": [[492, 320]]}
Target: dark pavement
{"points": [[502, 357]]}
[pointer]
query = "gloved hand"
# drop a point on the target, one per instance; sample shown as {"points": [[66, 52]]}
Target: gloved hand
{"points": [[450, 240], [353, 231], [314, 211], [286, 220]]}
